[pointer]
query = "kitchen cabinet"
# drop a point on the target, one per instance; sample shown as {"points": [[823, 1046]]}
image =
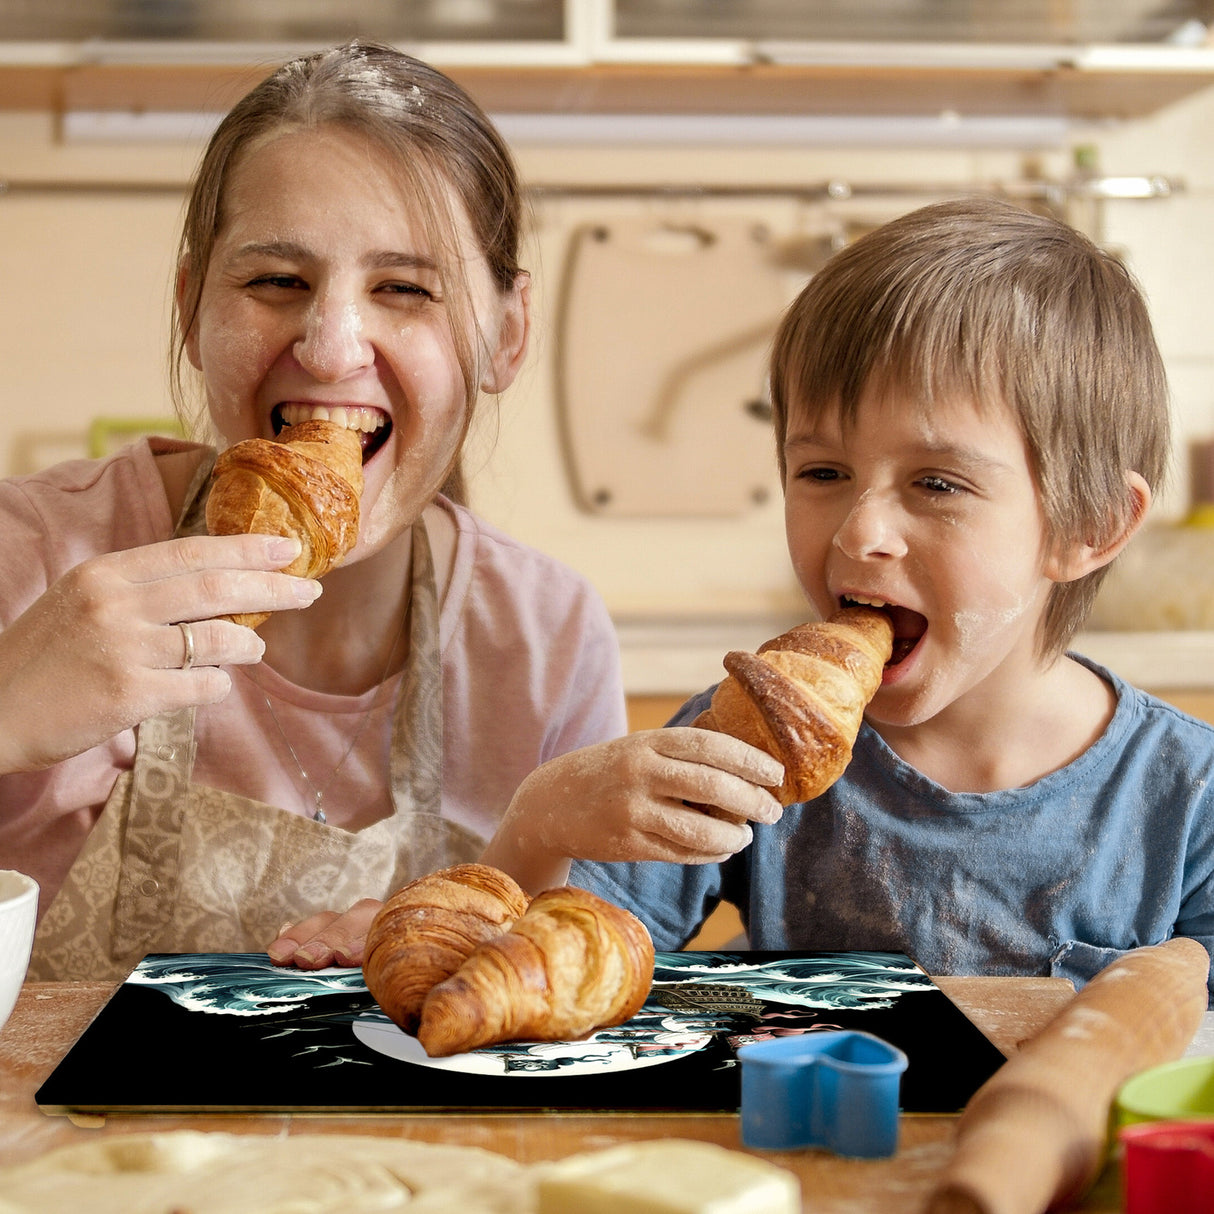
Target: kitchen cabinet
{"points": [[619, 25], [1116, 60], [990, 21]]}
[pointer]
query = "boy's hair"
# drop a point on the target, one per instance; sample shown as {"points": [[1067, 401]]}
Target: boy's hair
{"points": [[980, 300]]}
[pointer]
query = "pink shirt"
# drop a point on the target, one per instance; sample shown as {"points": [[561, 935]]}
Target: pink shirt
{"points": [[529, 656]]}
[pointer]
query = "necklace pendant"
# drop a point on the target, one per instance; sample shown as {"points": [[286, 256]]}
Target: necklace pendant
{"points": [[319, 814]]}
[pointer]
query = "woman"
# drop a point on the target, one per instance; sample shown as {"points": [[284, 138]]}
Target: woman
{"points": [[178, 782]]}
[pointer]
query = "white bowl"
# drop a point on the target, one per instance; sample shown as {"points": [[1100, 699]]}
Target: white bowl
{"points": [[18, 911]]}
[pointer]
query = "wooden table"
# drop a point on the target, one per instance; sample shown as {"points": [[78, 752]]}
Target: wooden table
{"points": [[50, 1016]]}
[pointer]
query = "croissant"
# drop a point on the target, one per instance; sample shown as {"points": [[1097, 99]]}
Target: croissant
{"points": [[308, 485], [802, 697], [425, 931], [574, 962]]}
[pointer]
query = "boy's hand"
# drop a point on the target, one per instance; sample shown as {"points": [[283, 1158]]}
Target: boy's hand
{"points": [[324, 939], [683, 795]]}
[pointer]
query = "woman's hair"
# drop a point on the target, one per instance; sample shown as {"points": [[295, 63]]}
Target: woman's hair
{"points": [[982, 301], [425, 123]]}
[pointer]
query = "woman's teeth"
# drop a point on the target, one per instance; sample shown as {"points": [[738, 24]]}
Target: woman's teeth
{"points": [[351, 417]]}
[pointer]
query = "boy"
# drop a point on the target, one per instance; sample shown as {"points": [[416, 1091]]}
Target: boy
{"points": [[971, 419]]}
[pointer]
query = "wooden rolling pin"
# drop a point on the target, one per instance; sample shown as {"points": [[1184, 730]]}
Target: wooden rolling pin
{"points": [[1034, 1136]]}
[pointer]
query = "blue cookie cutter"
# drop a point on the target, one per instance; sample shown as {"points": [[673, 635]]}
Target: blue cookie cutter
{"points": [[832, 1089]]}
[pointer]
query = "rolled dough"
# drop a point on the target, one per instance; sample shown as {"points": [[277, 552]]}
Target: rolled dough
{"points": [[196, 1172]]}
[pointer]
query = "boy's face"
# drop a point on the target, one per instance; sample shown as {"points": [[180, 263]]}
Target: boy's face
{"points": [[934, 512]]}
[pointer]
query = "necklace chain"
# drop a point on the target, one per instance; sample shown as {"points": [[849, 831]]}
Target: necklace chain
{"points": [[318, 793]]}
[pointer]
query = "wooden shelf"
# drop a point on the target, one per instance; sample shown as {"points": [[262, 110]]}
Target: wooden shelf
{"points": [[843, 90], [1066, 91], [135, 88]]}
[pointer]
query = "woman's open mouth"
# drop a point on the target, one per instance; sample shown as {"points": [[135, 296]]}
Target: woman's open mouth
{"points": [[909, 626], [373, 425]]}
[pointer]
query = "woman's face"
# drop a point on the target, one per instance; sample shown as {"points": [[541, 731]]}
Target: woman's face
{"points": [[322, 298]]}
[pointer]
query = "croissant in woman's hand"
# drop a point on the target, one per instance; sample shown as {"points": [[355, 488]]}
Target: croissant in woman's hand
{"points": [[802, 697], [427, 929], [307, 485], [574, 962]]}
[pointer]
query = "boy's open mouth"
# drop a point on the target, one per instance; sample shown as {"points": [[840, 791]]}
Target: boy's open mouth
{"points": [[909, 626], [373, 425]]}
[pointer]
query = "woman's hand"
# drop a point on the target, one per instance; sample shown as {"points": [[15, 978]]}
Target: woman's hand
{"points": [[682, 794], [324, 939], [102, 649]]}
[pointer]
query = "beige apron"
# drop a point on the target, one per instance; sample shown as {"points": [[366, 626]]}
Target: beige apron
{"points": [[171, 866]]}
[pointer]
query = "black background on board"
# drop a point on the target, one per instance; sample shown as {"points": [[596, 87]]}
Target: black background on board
{"points": [[144, 1052]]}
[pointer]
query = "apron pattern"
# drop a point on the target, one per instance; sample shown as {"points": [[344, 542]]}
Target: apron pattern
{"points": [[171, 866]]}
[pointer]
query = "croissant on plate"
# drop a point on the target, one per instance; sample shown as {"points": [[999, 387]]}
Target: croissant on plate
{"points": [[425, 931], [573, 963], [801, 698], [307, 484]]}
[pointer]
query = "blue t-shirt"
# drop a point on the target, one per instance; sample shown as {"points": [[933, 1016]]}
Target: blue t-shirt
{"points": [[1112, 852]]}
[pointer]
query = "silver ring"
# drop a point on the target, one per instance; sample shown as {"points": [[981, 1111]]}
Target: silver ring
{"points": [[187, 635]]}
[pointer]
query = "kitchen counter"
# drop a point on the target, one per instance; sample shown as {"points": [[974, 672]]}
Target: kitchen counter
{"points": [[50, 1016], [680, 656]]}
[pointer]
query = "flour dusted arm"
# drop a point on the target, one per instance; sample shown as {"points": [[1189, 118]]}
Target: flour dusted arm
{"points": [[683, 795]]}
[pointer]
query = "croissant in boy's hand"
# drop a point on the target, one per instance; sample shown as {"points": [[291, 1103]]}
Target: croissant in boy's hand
{"points": [[801, 698], [461, 959], [307, 485]]}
